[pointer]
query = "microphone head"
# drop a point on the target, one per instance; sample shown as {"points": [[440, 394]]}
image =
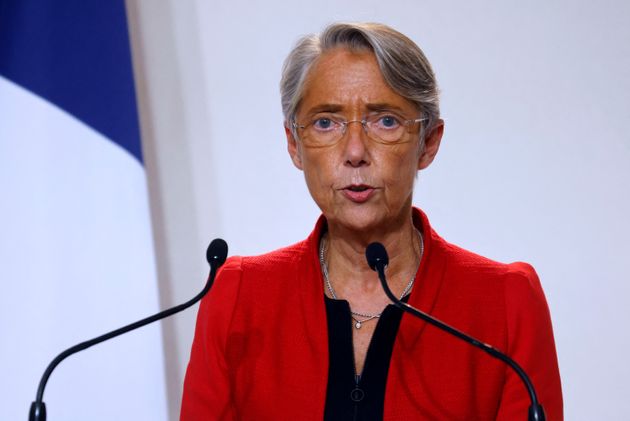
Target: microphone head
{"points": [[217, 252], [376, 255]]}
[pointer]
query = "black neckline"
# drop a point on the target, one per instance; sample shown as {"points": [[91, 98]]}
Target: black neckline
{"points": [[348, 396]]}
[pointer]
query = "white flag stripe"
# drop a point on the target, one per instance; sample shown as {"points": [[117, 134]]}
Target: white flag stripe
{"points": [[77, 261]]}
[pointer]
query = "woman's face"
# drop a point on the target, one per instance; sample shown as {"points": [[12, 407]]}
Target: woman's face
{"points": [[359, 184]]}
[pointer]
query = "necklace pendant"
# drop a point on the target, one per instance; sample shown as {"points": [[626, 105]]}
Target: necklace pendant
{"points": [[357, 325]]}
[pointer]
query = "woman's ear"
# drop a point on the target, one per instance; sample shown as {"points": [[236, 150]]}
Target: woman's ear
{"points": [[293, 148], [431, 145]]}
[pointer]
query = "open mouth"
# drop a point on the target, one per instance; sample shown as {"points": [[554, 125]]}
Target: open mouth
{"points": [[358, 188], [358, 193]]}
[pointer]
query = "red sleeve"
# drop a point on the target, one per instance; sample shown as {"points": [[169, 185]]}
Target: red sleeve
{"points": [[206, 385], [531, 345]]}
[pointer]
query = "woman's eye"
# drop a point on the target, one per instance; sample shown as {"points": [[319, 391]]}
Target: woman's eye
{"points": [[388, 121], [323, 123]]}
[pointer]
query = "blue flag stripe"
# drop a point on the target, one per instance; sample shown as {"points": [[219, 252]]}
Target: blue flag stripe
{"points": [[75, 54]]}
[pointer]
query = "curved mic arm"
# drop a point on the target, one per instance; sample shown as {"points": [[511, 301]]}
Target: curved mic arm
{"points": [[535, 413], [216, 255]]}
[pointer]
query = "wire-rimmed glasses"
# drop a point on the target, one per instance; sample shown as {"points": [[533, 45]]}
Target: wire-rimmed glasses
{"points": [[327, 129]]}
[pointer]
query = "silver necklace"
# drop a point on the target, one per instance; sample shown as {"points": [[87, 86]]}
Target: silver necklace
{"points": [[366, 317]]}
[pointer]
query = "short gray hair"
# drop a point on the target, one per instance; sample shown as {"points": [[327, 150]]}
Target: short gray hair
{"points": [[403, 65]]}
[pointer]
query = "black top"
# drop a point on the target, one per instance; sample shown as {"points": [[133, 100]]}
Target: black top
{"points": [[351, 396]]}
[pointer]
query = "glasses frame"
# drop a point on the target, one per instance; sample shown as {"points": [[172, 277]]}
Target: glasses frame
{"points": [[364, 122]]}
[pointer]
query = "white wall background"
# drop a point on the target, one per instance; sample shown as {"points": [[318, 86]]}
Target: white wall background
{"points": [[534, 166]]}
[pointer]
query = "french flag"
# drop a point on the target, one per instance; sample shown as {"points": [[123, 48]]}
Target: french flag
{"points": [[76, 252]]}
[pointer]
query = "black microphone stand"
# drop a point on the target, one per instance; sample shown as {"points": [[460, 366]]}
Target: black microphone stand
{"points": [[216, 255], [378, 260]]}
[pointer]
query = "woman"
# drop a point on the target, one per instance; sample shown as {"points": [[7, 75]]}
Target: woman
{"points": [[306, 332]]}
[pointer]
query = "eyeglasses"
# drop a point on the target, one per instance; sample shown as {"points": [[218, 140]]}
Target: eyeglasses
{"points": [[328, 129]]}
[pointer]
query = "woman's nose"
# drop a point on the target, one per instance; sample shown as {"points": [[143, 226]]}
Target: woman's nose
{"points": [[355, 144]]}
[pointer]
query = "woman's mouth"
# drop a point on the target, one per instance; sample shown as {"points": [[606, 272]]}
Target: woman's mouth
{"points": [[358, 193]]}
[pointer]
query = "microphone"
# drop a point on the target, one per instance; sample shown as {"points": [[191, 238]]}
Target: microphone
{"points": [[377, 259], [216, 255]]}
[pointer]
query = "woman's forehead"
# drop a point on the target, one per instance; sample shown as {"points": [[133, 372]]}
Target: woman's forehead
{"points": [[342, 80]]}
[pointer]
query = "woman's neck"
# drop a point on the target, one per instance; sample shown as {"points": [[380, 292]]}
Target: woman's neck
{"points": [[344, 255]]}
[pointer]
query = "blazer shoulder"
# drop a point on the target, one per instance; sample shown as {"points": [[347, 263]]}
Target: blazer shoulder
{"points": [[471, 265], [278, 260], [471, 262]]}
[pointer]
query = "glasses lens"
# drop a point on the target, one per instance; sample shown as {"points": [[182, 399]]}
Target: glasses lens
{"points": [[323, 130], [386, 127]]}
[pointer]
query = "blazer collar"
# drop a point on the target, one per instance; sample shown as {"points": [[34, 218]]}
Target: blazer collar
{"points": [[423, 296]]}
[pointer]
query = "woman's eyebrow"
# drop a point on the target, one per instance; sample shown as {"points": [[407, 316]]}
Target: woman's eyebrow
{"points": [[334, 108], [383, 106], [330, 108]]}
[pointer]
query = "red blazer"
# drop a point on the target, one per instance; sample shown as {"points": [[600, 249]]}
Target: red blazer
{"points": [[260, 350]]}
